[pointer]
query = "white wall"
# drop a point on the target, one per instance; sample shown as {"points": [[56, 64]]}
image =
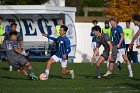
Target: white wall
{"points": [[84, 50]]}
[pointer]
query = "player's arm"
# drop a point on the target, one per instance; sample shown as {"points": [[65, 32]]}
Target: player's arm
{"points": [[68, 48], [49, 37], [135, 36], [110, 50], [122, 37]]}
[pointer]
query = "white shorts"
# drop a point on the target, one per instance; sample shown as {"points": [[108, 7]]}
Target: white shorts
{"points": [[57, 59], [120, 54], [93, 45]]}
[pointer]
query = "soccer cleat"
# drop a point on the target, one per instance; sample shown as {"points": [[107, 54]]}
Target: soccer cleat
{"points": [[32, 76], [10, 68], [131, 75], [119, 65], [107, 74], [72, 74], [98, 77]]}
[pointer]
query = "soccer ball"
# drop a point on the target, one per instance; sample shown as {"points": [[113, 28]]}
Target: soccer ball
{"points": [[43, 76]]}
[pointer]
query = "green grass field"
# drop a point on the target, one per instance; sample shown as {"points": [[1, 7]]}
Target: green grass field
{"points": [[85, 81]]}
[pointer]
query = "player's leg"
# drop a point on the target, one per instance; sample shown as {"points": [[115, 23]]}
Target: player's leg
{"points": [[30, 72], [24, 72], [51, 61], [98, 72], [94, 49], [65, 70], [128, 65]]}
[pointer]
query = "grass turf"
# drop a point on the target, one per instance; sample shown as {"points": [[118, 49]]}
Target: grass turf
{"points": [[85, 81]]}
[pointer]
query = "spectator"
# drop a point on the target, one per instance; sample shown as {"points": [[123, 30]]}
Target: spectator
{"points": [[107, 29], [1, 34], [128, 35], [60, 23]]}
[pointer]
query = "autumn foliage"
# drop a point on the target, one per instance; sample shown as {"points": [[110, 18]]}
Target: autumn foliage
{"points": [[122, 9]]}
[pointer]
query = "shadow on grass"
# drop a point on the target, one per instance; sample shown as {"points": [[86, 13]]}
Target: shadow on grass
{"points": [[14, 78], [131, 85]]}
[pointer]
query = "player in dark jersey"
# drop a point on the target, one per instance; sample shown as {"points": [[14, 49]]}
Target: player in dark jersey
{"points": [[110, 50], [7, 37], [136, 21], [118, 39], [62, 50], [16, 57]]}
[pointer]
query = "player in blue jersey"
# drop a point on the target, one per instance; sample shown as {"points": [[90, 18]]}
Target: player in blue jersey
{"points": [[16, 57], [8, 27], [118, 39], [95, 22], [62, 50]]}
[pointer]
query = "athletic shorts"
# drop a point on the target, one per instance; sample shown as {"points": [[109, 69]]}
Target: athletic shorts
{"points": [[18, 63], [121, 52], [93, 45], [63, 62], [105, 54]]}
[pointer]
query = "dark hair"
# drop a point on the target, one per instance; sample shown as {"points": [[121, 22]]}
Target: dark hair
{"points": [[11, 20], [64, 27], [60, 19], [113, 19], [128, 21], [96, 28], [1, 18], [13, 24], [136, 17], [94, 21], [13, 33], [106, 22]]}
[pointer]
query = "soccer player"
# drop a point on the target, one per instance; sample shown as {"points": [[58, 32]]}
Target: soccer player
{"points": [[60, 23], [1, 34], [118, 39], [95, 22], [16, 58], [136, 21], [8, 27], [62, 51], [7, 37], [110, 50]]}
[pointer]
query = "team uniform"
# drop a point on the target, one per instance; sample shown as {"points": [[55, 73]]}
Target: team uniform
{"points": [[15, 59], [116, 36], [62, 48], [93, 39], [103, 41], [8, 28]]}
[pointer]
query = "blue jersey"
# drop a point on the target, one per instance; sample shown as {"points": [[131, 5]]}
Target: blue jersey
{"points": [[93, 36], [62, 46], [116, 36], [8, 28]]}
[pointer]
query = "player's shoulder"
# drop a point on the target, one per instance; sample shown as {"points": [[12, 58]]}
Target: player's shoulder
{"points": [[119, 27]]}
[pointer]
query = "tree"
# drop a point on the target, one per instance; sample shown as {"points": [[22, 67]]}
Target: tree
{"points": [[122, 9]]}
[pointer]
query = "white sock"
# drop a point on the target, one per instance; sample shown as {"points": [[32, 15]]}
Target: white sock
{"points": [[129, 68], [47, 72], [107, 64], [97, 57]]}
